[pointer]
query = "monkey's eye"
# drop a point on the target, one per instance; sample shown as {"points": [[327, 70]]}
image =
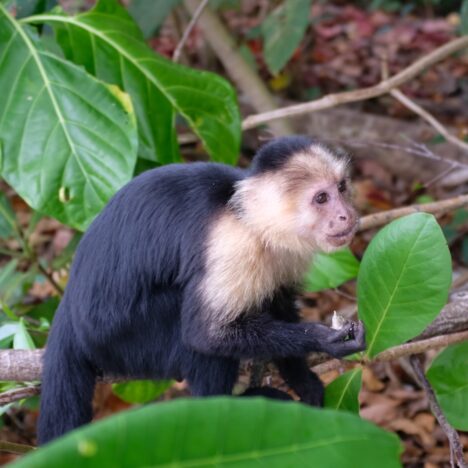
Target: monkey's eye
{"points": [[321, 198], [342, 186]]}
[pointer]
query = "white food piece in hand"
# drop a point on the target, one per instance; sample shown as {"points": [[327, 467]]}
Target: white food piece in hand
{"points": [[338, 321]]}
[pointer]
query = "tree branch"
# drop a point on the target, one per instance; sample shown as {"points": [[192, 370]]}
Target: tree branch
{"points": [[11, 447], [385, 86], [406, 349], [431, 120], [439, 208], [188, 30], [19, 393]]}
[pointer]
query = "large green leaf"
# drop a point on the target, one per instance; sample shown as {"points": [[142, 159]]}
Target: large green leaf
{"points": [[112, 47], [403, 281], [283, 31], [141, 391], [330, 270], [448, 375], [343, 392], [68, 141], [224, 432]]}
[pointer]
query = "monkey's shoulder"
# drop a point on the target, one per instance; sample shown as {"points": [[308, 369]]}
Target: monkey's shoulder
{"points": [[186, 183]]}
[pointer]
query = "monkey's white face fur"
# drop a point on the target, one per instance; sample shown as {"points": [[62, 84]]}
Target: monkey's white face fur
{"points": [[276, 222], [303, 208]]}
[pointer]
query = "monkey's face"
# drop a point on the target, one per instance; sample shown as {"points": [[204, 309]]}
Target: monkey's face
{"points": [[326, 215], [303, 207]]}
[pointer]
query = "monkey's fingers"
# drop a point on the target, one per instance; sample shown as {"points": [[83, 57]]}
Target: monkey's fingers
{"points": [[340, 335], [360, 334]]}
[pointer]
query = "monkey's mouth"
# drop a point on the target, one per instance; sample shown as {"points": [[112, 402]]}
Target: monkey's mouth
{"points": [[343, 237]]}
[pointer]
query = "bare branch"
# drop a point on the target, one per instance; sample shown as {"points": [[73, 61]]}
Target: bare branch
{"points": [[385, 86], [190, 26], [19, 393], [21, 365], [438, 208], [456, 448], [420, 346], [431, 120], [406, 349], [11, 447]]}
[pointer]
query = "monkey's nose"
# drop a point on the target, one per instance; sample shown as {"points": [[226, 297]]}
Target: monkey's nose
{"points": [[342, 217]]}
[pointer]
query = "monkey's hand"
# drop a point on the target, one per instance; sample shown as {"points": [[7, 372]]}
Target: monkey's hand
{"points": [[338, 343]]}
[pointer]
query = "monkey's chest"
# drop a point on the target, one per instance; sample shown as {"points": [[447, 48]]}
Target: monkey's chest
{"points": [[242, 281]]}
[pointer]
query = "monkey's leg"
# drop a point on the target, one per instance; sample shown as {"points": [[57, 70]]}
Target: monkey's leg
{"points": [[67, 388], [301, 379], [210, 375]]}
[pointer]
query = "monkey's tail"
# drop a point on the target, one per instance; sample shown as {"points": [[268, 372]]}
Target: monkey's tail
{"points": [[67, 388]]}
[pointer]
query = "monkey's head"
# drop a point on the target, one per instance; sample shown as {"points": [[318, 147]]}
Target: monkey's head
{"points": [[297, 196]]}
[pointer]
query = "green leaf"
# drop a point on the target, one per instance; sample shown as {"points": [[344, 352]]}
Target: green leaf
{"points": [[45, 310], [448, 376], [343, 392], [7, 217], [68, 141], [331, 270], [113, 49], [403, 281], [33, 7], [14, 284], [283, 30], [7, 332], [464, 18], [141, 391], [222, 432], [22, 338], [150, 15]]}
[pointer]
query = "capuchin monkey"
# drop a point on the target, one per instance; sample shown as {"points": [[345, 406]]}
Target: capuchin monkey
{"points": [[191, 268]]}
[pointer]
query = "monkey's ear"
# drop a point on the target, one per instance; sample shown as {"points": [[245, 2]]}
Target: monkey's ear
{"points": [[267, 392]]}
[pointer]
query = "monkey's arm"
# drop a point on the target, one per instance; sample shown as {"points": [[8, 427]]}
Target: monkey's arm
{"points": [[259, 335]]}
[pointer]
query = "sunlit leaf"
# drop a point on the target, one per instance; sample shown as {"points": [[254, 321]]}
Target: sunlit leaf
{"points": [[68, 142], [113, 49]]}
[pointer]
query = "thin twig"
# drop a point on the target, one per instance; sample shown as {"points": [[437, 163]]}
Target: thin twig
{"points": [[431, 120], [51, 279], [456, 448], [19, 393], [405, 349], [11, 447], [332, 100], [440, 207], [416, 149], [418, 110], [188, 30]]}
